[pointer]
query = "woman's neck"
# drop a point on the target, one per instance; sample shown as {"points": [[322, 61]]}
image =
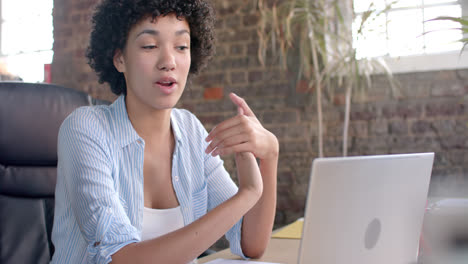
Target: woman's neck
{"points": [[153, 125]]}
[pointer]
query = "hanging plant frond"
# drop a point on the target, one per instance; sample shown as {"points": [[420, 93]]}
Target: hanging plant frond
{"points": [[318, 30]]}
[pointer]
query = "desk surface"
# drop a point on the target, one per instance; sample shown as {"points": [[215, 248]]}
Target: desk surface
{"points": [[279, 250]]}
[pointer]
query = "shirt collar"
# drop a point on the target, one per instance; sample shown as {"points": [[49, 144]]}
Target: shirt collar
{"points": [[175, 127], [125, 133]]}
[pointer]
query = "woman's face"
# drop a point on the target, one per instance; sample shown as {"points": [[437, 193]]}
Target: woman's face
{"points": [[156, 61]]}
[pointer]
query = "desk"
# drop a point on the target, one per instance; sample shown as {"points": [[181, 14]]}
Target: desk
{"points": [[279, 250]]}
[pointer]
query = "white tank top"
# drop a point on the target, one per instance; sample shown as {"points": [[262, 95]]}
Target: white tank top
{"points": [[158, 222]]}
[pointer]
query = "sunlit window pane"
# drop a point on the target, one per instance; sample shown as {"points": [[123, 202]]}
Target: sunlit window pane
{"points": [[364, 5], [407, 3], [400, 31], [29, 66], [443, 35], [405, 31], [27, 37], [26, 9], [372, 42]]}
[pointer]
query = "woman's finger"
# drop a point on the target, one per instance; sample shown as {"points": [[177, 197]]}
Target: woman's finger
{"points": [[222, 136], [222, 126], [244, 147], [227, 124], [240, 110], [235, 140], [240, 102]]}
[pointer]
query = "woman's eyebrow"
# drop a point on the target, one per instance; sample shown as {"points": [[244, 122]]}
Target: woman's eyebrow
{"points": [[148, 31], [156, 32], [181, 32]]}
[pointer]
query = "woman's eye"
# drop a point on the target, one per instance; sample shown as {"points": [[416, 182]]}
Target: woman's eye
{"points": [[182, 48], [149, 47]]}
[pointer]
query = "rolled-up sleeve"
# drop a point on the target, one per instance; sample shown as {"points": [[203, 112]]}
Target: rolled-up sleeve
{"points": [[86, 168]]}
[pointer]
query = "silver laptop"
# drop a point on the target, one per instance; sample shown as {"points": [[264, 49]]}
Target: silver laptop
{"points": [[365, 210]]}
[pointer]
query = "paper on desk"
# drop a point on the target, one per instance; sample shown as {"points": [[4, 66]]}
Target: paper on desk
{"points": [[293, 230], [230, 261]]}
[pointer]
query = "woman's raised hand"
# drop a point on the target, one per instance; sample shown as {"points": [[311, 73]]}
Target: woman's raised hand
{"points": [[242, 133]]}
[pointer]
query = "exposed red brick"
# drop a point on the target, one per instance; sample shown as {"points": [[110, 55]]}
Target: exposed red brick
{"points": [[339, 99], [303, 87], [213, 93]]}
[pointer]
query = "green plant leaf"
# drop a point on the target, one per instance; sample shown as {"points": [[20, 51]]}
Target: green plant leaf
{"points": [[463, 21]]}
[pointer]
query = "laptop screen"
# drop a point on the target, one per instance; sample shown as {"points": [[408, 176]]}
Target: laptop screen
{"points": [[366, 209]]}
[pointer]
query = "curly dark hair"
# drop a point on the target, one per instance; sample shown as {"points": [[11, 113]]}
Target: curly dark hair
{"points": [[113, 20]]}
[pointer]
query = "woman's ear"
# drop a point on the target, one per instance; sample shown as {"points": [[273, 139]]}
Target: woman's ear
{"points": [[119, 62]]}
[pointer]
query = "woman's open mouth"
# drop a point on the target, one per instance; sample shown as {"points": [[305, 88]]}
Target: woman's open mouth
{"points": [[166, 85]]}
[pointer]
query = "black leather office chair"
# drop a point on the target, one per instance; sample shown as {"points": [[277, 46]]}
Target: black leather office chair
{"points": [[30, 117]]}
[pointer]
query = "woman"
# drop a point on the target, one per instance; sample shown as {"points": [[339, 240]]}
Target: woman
{"points": [[140, 181]]}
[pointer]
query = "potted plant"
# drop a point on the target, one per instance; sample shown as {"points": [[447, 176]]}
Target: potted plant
{"points": [[321, 31]]}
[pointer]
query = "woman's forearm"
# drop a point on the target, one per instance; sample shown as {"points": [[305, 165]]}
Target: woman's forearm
{"points": [[187, 243], [248, 173], [258, 222]]}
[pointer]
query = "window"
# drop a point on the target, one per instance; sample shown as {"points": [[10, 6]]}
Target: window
{"points": [[401, 35], [26, 37]]}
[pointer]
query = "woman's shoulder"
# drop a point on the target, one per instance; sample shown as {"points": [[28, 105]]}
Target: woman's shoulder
{"points": [[92, 120]]}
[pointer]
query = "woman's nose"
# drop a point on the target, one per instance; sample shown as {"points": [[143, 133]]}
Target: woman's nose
{"points": [[166, 61]]}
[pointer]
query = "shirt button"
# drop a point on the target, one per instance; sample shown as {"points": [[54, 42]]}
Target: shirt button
{"points": [[109, 210], [176, 178]]}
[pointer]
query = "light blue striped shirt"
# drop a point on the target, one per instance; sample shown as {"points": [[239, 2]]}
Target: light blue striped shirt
{"points": [[99, 192]]}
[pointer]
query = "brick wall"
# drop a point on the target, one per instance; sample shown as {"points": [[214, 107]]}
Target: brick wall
{"points": [[432, 115], [71, 35]]}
